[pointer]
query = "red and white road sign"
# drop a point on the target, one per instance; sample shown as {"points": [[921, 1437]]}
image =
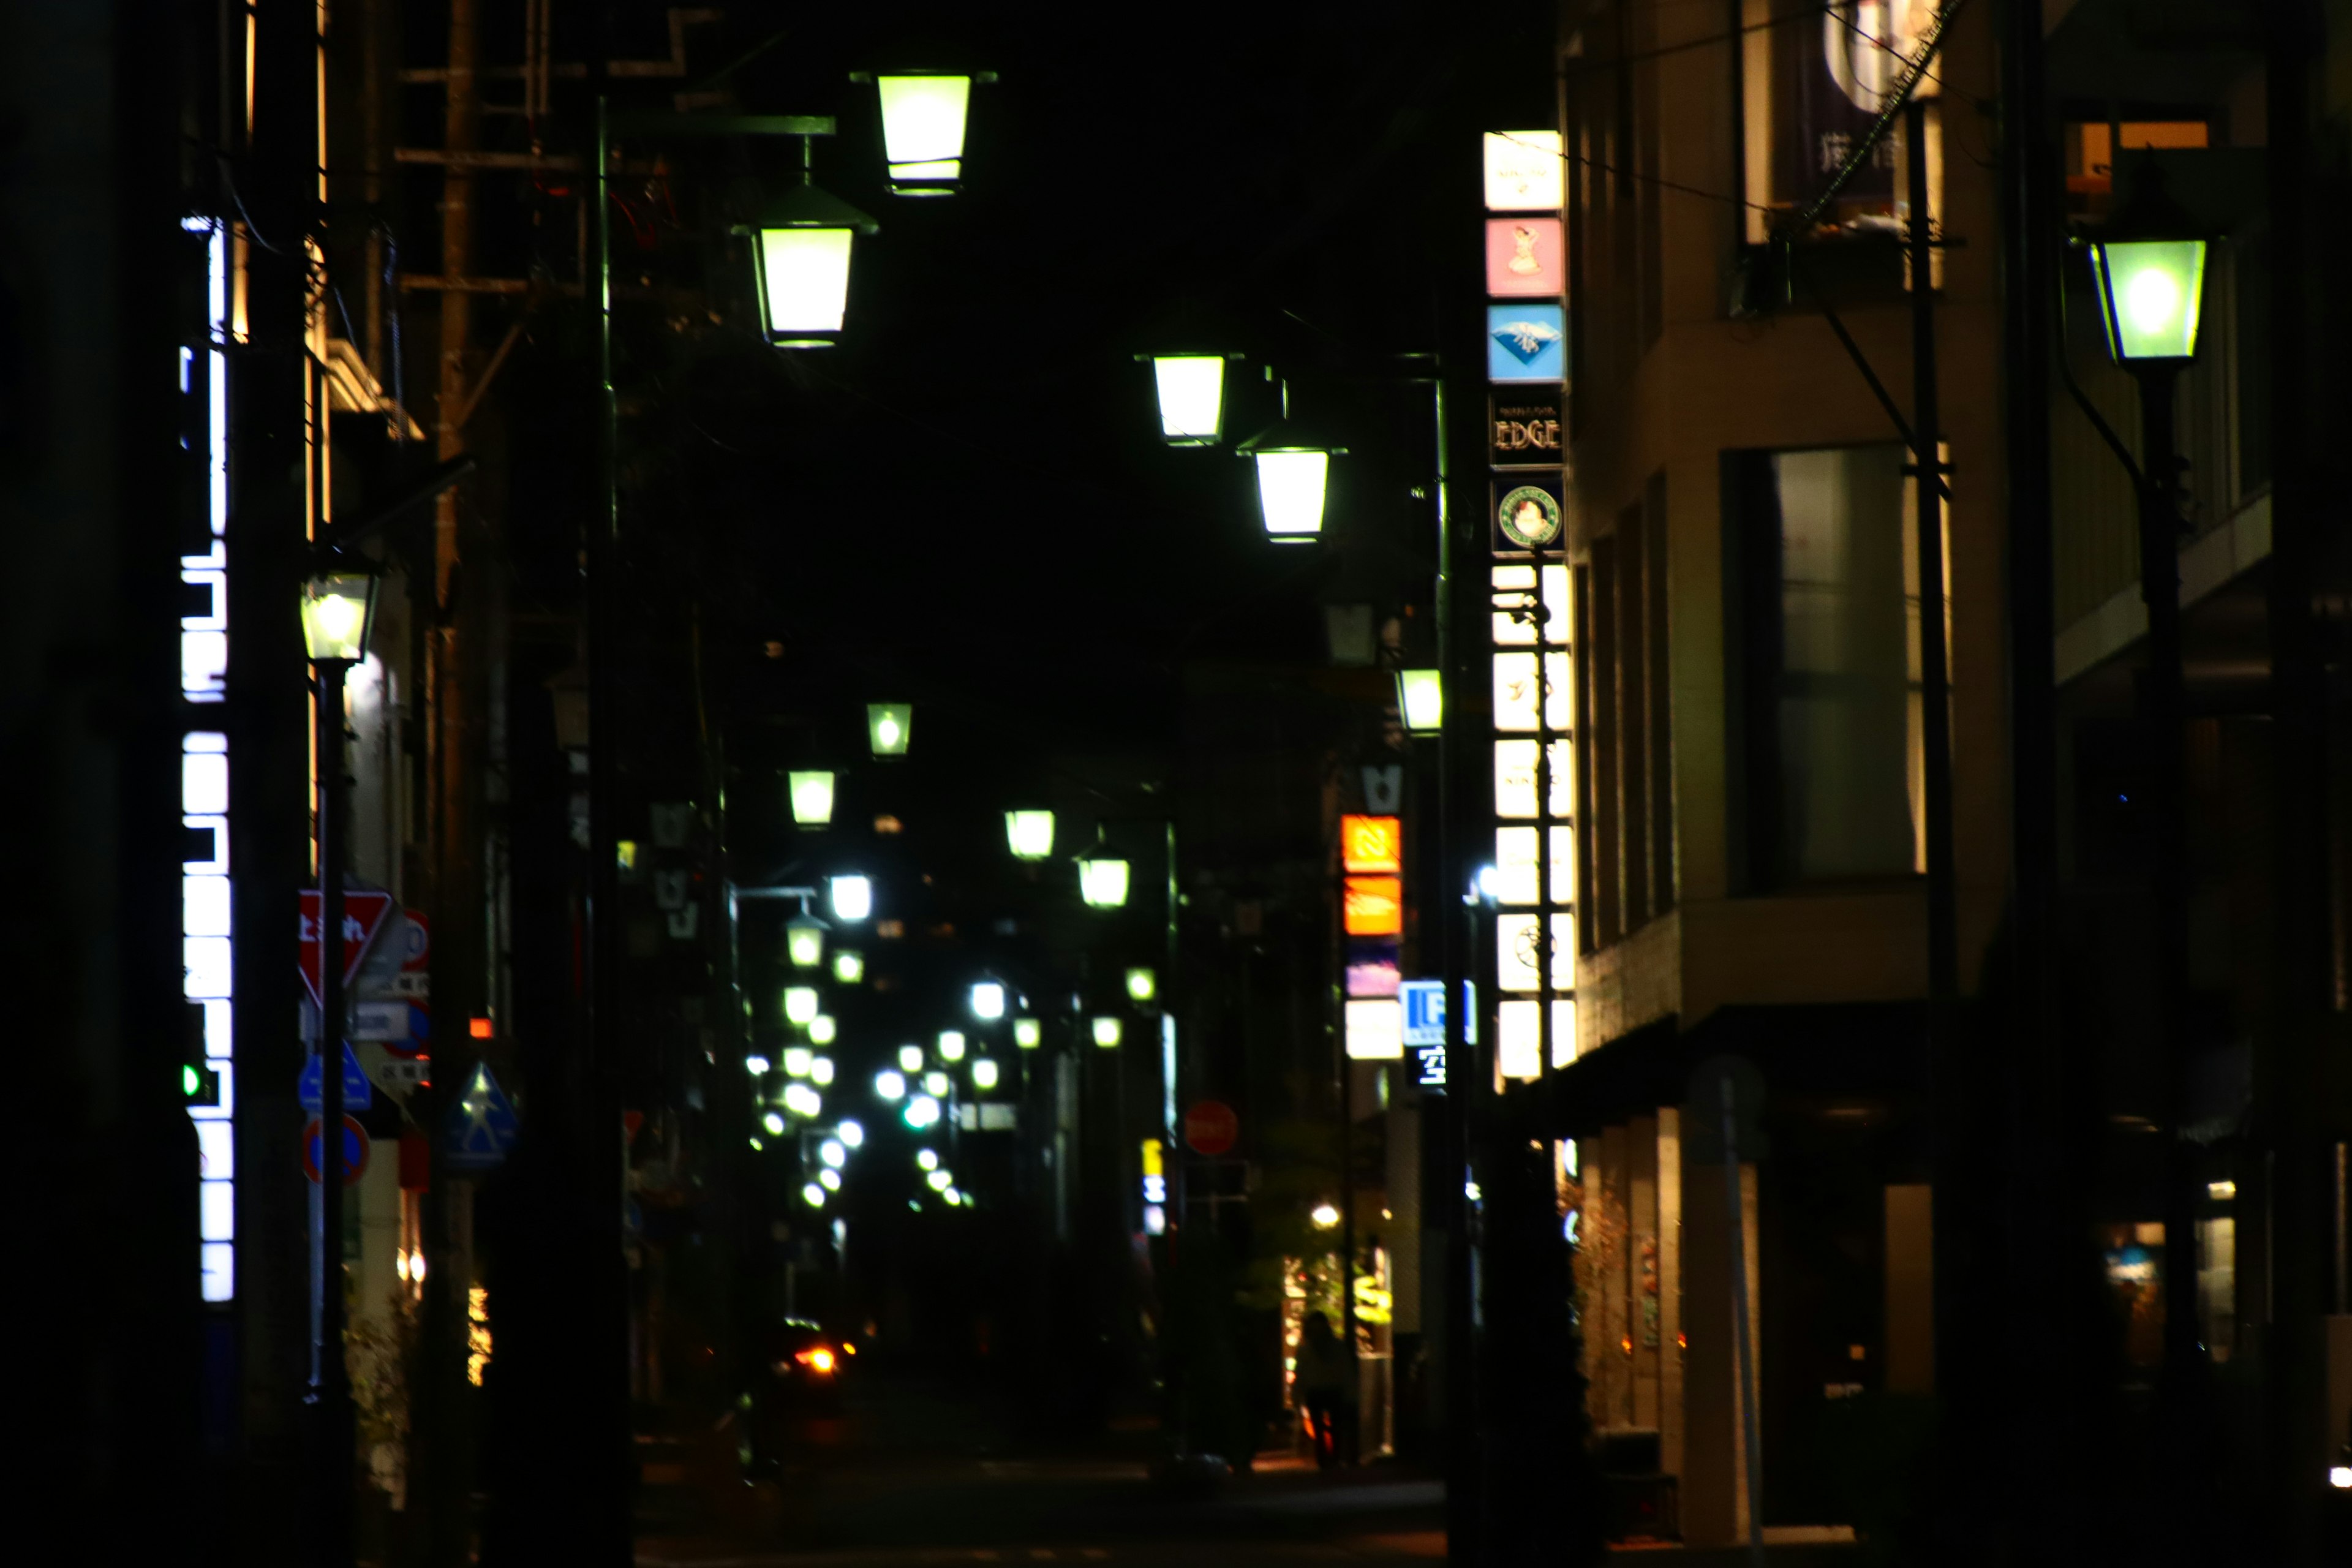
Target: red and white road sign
{"points": [[355, 1150], [364, 915], [1211, 1128]]}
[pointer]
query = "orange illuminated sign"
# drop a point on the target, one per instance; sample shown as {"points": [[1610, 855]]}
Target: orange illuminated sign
{"points": [[1371, 844], [1374, 906]]}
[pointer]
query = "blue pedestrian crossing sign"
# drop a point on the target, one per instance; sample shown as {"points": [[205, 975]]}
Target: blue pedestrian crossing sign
{"points": [[481, 1126], [357, 1090]]}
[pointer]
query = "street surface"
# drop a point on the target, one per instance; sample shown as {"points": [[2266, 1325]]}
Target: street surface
{"points": [[916, 1473]]}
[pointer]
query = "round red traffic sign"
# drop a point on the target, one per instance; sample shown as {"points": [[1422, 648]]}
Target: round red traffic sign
{"points": [[1211, 1128], [356, 1151]]}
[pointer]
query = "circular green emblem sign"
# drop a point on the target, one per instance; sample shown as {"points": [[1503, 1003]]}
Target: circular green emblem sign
{"points": [[1529, 517]]}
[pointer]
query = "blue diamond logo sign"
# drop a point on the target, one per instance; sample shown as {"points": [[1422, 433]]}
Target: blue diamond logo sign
{"points": [[481, 1125], [1524, 339]]}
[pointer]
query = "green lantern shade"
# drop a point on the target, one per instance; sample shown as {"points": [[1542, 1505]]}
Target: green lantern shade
{"points": [[1030, 833], [2149, 293], [952, 1045], [849, 967], [1103, 883], [1141, 984], [799, 1004], [1421, 699], [983, 1073], [924, 115], [1106, 1032], [1191, 389], [1028, 1033], [337, 612], [910, 1057], [889, 726], [1293, 465], [812, 796], [935, 1083], [822, 1030], [801, 244], [804, 943], [797, 1059]]}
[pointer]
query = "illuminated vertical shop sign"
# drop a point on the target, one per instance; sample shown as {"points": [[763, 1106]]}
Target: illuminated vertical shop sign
{"points": [[208, 924]]}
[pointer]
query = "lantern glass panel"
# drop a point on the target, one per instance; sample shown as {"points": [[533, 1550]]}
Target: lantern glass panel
{"points": [[1421, 698], [923, 120], [1030, 833], [336, 609], [2149, 292], [889, 726], [1290, 491], [804, 944], [848, 967], [987, 1000], [1103, 883], [1106, 1032], [1141, 984], [952, 1045], [812, 796], [853, 897], [983, 1073], [800, 1003], [1191, 390], [1027, 1034], [803, 282]]}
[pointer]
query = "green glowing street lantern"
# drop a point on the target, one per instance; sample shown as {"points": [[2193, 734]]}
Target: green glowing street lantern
{"points": [[822, 1030], [1106, 1032], [1293, 465], [951, 1044], [797, 1059], [812, 796], [804, 942], [1103, 883], [799, 1004], [1141, 984], [1030, 833], [983, 1073], [1192, 393], [911, 1057], [924, 116], [2149, 261], [1421, 699], [849, 966], [889, 726], [337, 613], [801, 245], [1028, 1033]]}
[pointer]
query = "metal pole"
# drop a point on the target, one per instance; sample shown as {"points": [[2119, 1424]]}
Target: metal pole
{"points": [[2163, 707], [1943, 935], [1176, 1198], [329, 1397], [1754, 1475]]}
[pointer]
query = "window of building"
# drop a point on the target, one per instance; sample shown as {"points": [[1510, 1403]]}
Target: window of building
{"points": [[1823, 639]]}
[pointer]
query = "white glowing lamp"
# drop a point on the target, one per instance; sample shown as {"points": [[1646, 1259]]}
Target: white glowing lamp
{"points": [[952, 1045], [1293, 467], [924, 115], [804, 943], [910, 1058], [935, 1083], [1103, 883], [848, 967], [812, 796], [1106, 1032], [853, 897], [889, 1085], [983, 1073], [1028, 1033], [1143, 984], [800, 1003], [1421, 698], [1030, 833], [1191, 389], [796, 1060], [987, 1000], [822, 1030]]}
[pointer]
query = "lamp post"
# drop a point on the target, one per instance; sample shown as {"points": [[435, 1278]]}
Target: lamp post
{"points": [[2150, 264], [338, 607]]}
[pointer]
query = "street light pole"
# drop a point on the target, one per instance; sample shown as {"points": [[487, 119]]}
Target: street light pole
{"points": [[328, 1396]]}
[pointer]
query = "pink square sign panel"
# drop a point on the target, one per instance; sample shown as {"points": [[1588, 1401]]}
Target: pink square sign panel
{"points": [[1524, 259]]}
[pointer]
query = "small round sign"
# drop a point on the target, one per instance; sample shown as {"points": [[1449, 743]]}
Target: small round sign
{"points": [[356, 1151], [1211, 1128]]}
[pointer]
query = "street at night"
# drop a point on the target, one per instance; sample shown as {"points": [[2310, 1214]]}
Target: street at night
{"points": [[807, 785]]}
